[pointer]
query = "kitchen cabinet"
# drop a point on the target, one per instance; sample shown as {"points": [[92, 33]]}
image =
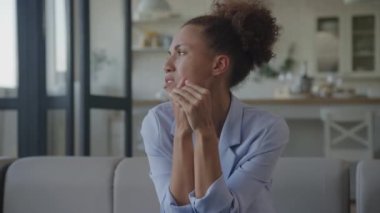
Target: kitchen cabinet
{"points": [[363, 47], [348, 44]]}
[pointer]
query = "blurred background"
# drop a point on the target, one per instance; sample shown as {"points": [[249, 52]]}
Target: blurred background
{"points": [[78, 77]]}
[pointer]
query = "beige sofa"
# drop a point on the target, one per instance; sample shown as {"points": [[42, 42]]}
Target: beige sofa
{"points": [[368, 187], [122, 185], [78, 185]]}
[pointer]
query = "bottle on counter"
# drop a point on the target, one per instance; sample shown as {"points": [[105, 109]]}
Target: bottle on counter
{"points": [[304, 83]]}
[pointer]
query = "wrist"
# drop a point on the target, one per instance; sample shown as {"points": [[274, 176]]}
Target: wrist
{"points": [[205, 132], [183, 134], [206, 136], [183, 130]]}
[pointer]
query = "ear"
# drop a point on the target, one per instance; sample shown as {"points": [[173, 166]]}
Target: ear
{"points": [[221, 64]]}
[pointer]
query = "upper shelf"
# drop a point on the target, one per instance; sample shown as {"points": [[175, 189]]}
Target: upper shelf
{"points": [[150, 50], [170, 20], [289, 101]]}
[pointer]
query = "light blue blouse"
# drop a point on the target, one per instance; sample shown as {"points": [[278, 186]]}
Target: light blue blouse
{"points": [[250, 144]]}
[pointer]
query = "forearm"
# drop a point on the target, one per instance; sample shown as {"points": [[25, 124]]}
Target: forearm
{"points": [[182, 179], [206, 161]]}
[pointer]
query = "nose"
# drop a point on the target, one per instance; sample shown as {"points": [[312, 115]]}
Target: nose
{"points": [[169, 65]]}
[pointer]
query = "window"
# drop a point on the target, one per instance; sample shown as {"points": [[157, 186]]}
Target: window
{"points": [[56, 47], [8, 50]]}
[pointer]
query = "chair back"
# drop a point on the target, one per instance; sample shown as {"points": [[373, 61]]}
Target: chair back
{"points": [[348, 133]]}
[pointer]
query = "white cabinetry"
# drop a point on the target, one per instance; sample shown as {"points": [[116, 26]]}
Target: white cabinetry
{"points": [[363, 47], [348, 44]]}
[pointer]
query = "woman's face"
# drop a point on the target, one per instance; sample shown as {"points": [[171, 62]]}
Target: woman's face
{"points": [[190, 58]]}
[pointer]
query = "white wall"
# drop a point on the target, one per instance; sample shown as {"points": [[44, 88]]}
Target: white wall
{"points": [[297, 18]]}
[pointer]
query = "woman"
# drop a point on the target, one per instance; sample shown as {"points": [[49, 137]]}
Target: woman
{"points": [[207, 151]]}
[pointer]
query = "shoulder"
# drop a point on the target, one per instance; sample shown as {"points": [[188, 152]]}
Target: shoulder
{"points": [[155, 129], [159, 114], [262, 118], [264, 124]]}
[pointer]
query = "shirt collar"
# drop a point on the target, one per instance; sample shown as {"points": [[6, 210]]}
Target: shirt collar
{"points": [[231, 131]]}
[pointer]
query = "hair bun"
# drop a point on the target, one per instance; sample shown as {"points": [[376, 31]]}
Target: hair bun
{"points": [[255, 25]]}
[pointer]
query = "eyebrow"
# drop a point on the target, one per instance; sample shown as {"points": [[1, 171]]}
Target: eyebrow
{"points": [[176, 47]]}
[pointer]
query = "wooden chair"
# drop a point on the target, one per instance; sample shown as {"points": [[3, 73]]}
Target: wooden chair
{"points": [[348, 133]]}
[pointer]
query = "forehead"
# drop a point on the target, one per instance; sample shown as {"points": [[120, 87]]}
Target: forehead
{"points": [[190, 35]]}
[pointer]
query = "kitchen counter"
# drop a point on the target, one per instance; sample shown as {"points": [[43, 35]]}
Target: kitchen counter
{"points": [[296, 108], [315, 101], [287, 101], [303, 116]]}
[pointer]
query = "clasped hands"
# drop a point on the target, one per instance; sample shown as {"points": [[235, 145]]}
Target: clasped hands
{"points": [[192, 107]]}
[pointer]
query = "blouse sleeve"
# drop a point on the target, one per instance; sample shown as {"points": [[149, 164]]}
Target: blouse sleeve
{"points": [[246, 188], [160, 163]]}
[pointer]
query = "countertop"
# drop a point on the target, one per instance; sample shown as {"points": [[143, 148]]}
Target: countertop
{"points": [[289, 101]]}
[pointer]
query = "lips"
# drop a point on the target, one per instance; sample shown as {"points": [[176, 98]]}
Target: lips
{"points": [[169, 82]]}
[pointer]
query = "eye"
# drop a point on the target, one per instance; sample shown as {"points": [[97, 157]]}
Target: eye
{"points": [[180, 52]]}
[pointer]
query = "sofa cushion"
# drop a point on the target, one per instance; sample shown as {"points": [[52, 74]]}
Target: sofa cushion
{"points": [[60, 185], [4, 164], [311, 185], [133, 189], [368, 186]]}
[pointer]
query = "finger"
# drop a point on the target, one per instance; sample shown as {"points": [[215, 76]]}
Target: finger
{"points": [[175, 104], [186, 95], [200, 90], [179, 112], [193, 92], [181, 83], [180, 100], [174, 99], [185, 104]]}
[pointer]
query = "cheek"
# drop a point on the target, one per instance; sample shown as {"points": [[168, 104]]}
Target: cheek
{"points": [[195, 71], [184, 70]]}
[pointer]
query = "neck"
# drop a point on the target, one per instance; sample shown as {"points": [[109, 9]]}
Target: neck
{"points": [[221, 100]]}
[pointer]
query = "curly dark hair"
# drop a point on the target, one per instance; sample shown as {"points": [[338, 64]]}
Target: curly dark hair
{"points": [[245, 31]]}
